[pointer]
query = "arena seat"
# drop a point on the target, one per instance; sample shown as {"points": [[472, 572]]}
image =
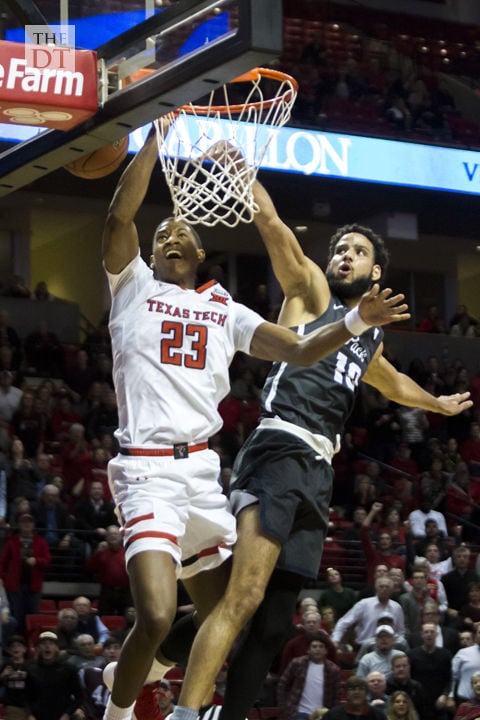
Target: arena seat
{"points": [[113, 622], [47, 605]]}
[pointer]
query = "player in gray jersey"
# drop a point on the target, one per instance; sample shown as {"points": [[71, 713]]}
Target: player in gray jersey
{"points": [[282, 480]]}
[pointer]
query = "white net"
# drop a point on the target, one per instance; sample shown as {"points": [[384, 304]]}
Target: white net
{"points": [[211, 152]]}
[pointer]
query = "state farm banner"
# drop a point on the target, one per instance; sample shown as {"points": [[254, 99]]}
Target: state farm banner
{"points": [[47, 85]]}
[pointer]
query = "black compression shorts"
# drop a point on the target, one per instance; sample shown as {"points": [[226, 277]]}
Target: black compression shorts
{"points": [[293, 487]]}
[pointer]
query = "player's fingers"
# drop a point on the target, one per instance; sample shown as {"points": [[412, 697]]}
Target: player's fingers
{"points": [[386, 292], [395, 299]]}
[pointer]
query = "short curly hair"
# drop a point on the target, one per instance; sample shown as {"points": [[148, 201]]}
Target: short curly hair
{"points": [[381, 253]]}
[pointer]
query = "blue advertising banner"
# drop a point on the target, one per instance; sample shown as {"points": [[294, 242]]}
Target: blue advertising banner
{"points": [[336, 155]]}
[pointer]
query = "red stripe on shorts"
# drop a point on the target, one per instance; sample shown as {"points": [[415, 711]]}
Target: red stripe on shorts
{"points": [[210, 550], [203, 553], [140, 518], [152, 534]]}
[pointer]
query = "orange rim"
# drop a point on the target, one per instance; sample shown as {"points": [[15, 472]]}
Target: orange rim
{"points": [[251, 75]]}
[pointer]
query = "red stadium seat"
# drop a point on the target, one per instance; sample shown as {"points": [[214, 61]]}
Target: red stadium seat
{"points": [[62, 604], [113, 622], [47, 605]]}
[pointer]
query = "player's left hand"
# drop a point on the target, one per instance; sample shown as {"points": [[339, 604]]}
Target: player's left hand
{"points": [[454, 404], [380, 307]]}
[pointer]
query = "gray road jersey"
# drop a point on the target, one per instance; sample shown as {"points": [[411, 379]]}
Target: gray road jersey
{"points": [[321, 397]]}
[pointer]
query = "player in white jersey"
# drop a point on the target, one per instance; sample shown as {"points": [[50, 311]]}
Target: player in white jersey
{"points": [[172, 345]]}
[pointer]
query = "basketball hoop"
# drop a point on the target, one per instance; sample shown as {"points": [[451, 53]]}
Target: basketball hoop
{"points": [[211, 153]]}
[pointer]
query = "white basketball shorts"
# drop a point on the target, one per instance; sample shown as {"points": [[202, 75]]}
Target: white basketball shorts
{"points": [[175, 506]]}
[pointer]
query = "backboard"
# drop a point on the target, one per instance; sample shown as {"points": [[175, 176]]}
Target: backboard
{"points": [[153, 56]]}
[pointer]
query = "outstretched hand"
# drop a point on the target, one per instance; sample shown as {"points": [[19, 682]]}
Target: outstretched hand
{"points": [[454, 404], [380, 307]]}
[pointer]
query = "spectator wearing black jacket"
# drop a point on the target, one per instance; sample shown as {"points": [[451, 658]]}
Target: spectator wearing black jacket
{"points": [[93, 516], [457, 581], [401, 679], [431, 666], [52, 690]]}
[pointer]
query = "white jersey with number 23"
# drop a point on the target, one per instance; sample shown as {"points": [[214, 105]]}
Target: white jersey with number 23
{"points": [[172, 348]]}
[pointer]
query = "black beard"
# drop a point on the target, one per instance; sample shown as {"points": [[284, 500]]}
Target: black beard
{"points": [[347, 291]]}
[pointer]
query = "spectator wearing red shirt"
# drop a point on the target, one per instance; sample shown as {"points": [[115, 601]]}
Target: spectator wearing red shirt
{"points": [[76, 454], [24, 557], [403, 463], [93, 467], [394, 527], [63, 416], [382, 554], [108, 564], [460, 504], [458, 500], [470, 709], [432, 322]]}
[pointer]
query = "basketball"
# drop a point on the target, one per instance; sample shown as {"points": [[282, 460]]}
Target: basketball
{"points": [[101, 162]]}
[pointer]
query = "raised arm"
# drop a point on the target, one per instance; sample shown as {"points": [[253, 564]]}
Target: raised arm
{"points": [[120, 237], [301, 280], [375, 510], [274, 342], [366, 540], [403, 390]]}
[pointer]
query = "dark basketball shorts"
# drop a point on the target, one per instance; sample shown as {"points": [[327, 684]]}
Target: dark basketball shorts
{"points": [[293, 487]]}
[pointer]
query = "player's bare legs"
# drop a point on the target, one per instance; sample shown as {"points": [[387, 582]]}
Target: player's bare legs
{"points": [[254, 559], [154, 588], [206, 589]]}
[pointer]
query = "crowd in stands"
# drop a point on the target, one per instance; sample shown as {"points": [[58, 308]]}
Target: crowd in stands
{"points": [[461, 324], [392, 629], [375, 79], [400, 568]]}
